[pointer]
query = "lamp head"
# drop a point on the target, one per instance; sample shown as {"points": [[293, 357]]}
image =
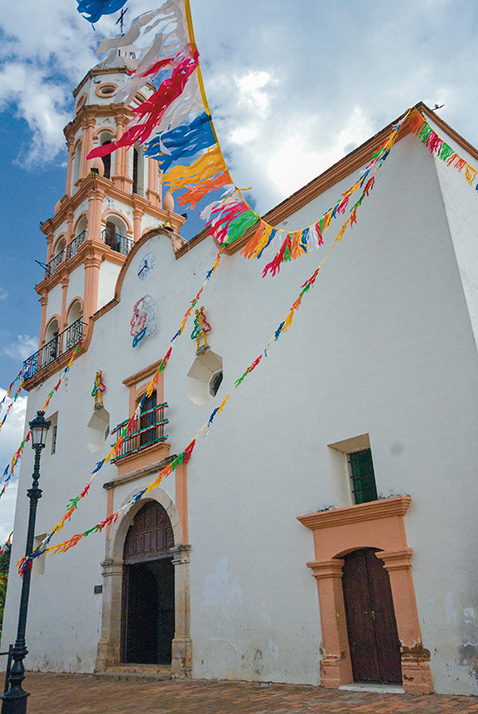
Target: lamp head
{"points": [[39, 426]]}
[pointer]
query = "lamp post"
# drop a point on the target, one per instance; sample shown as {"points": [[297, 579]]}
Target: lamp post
{"points": [[15, 698]]}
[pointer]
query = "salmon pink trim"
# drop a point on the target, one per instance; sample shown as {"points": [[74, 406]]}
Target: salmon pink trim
{"points": [[378, 524]]}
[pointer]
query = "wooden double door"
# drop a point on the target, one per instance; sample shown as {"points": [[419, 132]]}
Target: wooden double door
{"points": [[371, 626], [148, 614]]}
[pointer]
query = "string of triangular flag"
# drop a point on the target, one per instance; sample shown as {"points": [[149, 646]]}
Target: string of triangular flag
{"points": [[366, 183], [9, 470], [15, 396], [116, 447], [176, 127], [437, 146], [44, 549]]}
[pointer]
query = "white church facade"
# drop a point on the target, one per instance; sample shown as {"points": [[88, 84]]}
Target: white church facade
{"points": [[324, 529]]}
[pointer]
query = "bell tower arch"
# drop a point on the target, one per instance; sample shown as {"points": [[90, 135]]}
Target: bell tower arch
{"points": [[108, 205]]}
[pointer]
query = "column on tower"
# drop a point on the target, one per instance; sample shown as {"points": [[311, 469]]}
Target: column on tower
{"points": [[43, 302], [47, 228], [119, 178], [70, 229], [137, 216], [70, 144], [95, 209], [152, 193], [64, 294], [92, 272], [88, 126]]}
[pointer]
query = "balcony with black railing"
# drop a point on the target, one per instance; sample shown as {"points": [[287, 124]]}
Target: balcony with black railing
{"points": [[61, 343], [117, 242], [54, 263], [146, 431], [72, 248], [112, 238]]}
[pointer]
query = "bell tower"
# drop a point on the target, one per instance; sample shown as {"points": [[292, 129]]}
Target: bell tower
{"points": [[109, 204]]}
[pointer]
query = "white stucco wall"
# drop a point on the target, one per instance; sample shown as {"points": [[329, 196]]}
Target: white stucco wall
{"points": [[82, 209], [76, 284], [150, 222], [382, 345], [54, 303], [90, 87], [112, 204], [461, 206], [107, 281], [62, 228]]}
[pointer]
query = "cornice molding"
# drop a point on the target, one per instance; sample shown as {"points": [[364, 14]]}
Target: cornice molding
{"points": [[103, 310], [107, 70], [51, 369], [142, 374], [340, 170], [93, 184], [384, 508], [91, 112], [91, 250], [148, 470]]}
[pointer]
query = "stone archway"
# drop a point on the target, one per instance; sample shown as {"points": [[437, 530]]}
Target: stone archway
{"points": [[109, 646], [148, 620]]}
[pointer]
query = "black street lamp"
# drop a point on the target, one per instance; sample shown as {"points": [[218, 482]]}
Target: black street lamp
{"points": [[15, 698]]}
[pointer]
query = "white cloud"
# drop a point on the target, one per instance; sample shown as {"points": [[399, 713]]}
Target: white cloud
{"points": [[22, 348], [3, 294], [46, 49], [39, 102], [284, 79], [252, 88]]}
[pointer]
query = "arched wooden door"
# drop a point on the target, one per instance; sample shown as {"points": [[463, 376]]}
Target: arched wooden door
{"points": [[148, 588], [371, 626]]}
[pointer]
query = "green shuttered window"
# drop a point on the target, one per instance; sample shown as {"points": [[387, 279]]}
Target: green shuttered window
{"points": [[363, 477]]}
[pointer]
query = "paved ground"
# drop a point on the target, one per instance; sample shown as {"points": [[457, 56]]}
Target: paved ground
{"points": [[85, 694]]}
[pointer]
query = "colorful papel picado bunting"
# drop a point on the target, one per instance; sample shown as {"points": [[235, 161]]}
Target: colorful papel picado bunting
{"points": [[9, 470], [176, 128], [115, 450], [44, 548]]}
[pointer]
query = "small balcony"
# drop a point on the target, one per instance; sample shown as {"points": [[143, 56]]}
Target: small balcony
{"points": [[117, 242], [72, 248], [54, 263], [62, 343], [147, 431], [112, 238]]}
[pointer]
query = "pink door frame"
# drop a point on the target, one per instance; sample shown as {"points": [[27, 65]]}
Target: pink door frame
{"points": [[378, 524]]}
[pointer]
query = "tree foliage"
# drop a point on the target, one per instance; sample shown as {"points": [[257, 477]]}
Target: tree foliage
{"points": [[4, 565]]}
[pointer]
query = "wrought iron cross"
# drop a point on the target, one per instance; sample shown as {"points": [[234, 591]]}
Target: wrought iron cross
{"points": [[120, 19]]}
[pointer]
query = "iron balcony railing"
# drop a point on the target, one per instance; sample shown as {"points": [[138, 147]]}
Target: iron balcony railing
{"points": [[116, 241], [70, 251], [61, 343], [145, 431], [54, 263], [72, 248]]}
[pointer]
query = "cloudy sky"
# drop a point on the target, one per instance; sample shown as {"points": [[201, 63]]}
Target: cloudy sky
{"points": [[293, 85]]}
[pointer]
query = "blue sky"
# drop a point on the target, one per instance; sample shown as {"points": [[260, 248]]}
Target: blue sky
{"points": [[293, 86]]}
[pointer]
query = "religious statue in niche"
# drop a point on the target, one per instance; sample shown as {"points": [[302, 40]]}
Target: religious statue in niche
{"points": [[143, 322], [201, 328], [99, 389]]}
